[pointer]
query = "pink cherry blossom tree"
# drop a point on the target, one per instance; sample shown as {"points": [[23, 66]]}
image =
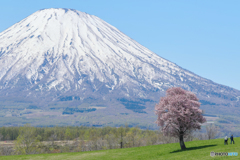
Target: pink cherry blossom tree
{"points": [[179, 114]]}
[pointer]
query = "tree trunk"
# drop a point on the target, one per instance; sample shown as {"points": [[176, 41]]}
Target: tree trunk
{"points": [[121, 140], [181, 141]]}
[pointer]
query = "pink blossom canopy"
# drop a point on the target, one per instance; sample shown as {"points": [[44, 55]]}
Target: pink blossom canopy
{"points": [[178, 112]]}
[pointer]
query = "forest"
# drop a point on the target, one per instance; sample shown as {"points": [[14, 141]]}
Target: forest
{"points": [[34, 140]]}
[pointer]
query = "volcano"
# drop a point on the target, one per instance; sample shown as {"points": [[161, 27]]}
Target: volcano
{"points": [[75, 64]]}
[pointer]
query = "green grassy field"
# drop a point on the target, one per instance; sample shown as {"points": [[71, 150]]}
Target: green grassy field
{"points": [[199, 150]]}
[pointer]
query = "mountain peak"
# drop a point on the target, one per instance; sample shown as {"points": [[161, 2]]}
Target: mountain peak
{"points": [[61, 10], [65, 50]]}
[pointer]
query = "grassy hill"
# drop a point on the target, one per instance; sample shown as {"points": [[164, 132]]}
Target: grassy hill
{"points": [[196, 150]]}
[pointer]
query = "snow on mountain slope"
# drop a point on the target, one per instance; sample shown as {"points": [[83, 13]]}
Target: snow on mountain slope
{"points": [[66, 51]]}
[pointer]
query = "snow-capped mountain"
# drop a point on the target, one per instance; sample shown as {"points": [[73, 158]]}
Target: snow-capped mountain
{"points": [[63, 52]]}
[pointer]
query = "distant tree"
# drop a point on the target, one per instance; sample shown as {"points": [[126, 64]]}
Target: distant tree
{"points": [[68, 134], [7, 137], [6, 150], [132, 134], [212, 131], [27, 140], [53, 138], [121, 133], [179, 114], [1, 136], [111, 141]]}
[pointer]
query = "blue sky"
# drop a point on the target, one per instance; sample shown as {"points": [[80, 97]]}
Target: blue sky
{"points": [[202, 36]]}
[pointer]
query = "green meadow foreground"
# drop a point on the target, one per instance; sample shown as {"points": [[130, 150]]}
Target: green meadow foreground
{"points": [[199, 150]]}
